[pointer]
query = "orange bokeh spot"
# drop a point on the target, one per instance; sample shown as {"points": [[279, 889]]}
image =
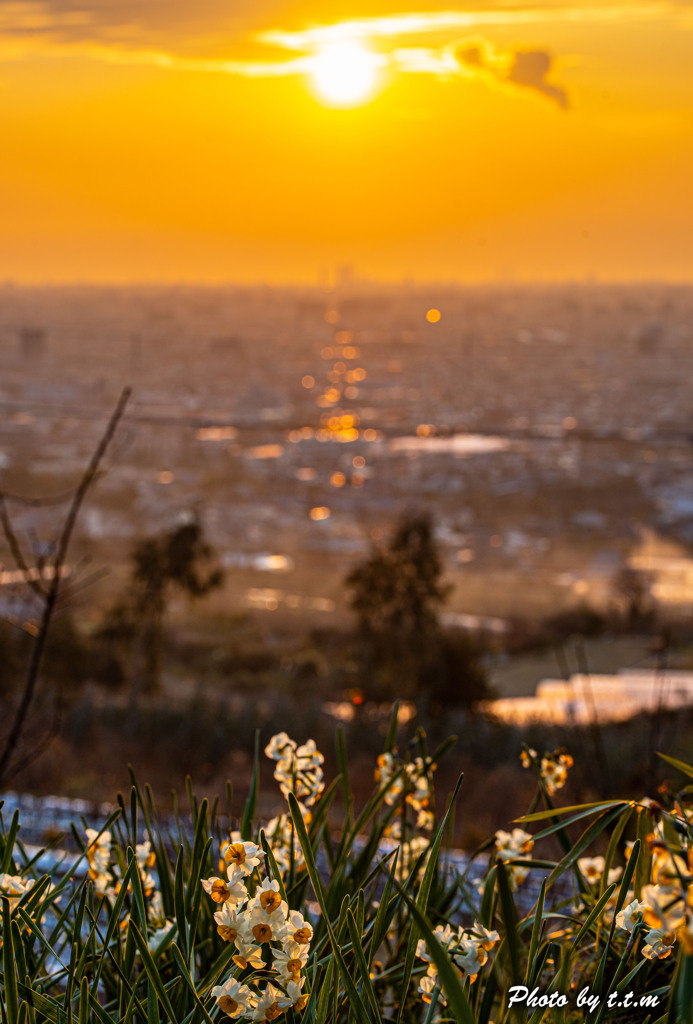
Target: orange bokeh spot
{"points": [[433, 316]]}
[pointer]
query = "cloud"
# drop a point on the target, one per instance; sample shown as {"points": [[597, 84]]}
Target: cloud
{"points": [[179, 20], [172, 34], [527, 69], [530, 68]]}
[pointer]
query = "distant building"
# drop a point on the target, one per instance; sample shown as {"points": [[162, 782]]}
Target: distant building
{"points": [[597, 698], [32, 342]]}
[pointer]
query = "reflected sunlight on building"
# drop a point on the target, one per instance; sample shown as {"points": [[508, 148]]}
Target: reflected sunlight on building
{"points": [[597, 698]]}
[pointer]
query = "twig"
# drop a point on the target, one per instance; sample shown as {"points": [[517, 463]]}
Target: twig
{"points": [[38, 747], [56, 499], [51, 596], [14, 546]]}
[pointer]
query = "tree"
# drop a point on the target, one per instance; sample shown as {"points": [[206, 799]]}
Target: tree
{"points": [[633, 591], [397, 595], [178, 559]]}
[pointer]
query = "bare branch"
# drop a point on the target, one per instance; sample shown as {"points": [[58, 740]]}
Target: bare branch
{"points": [[14, 546], [51, 596], [38, 747], [56, 499]]}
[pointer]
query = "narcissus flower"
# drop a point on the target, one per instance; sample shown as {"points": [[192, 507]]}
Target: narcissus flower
{"points": [[298, 930], [160, 935], [270, 1005], [243, 856], [427, 986], [231, 890], [659, 944], [233, 998], [592, 869], [98, 852], [289, 965], [13, 887], [554, 770], [294, 997], [230, 924], [630, 916], [248, 955], [279, 746], [515, 845]]}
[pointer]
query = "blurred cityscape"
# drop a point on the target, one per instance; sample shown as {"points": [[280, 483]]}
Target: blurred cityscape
{"points": [[548, 429]]}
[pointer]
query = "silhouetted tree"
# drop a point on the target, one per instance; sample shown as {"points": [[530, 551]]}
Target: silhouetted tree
{"points": [[397, 595], [179, 559], [632, 589]]}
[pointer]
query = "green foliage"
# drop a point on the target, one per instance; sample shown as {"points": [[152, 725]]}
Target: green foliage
{"points": [[123, 932]]}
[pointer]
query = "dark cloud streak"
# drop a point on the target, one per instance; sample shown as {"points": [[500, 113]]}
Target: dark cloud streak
{"points": [[526, 69], [530, 69]]}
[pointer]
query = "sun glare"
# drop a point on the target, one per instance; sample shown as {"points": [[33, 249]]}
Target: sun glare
{"points": [[345, 73]]}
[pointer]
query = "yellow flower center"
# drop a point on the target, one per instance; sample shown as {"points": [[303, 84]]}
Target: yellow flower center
{"points": [[220, 891], [228, 1005], [302, 936], [235, 853], [270, 900], [262, 932]]}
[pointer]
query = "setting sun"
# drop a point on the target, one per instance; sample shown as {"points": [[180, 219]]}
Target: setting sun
{"points": [[345, 73]]}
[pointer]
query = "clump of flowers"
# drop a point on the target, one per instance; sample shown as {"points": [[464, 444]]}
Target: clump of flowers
{"points": [[407, 784], [269, 939], [99, 858], [105, 874], [514, 846], [467, 949], [668, 901], [665, 911], [552, 767], [396, 776], [13, 888], [298, 770]]}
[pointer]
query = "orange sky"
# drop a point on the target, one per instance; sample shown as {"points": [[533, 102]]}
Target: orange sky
{"points": [[147, 141]]}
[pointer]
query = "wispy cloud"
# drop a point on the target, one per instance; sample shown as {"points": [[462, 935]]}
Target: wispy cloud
{"points": [[446, 22], [445, 44]]}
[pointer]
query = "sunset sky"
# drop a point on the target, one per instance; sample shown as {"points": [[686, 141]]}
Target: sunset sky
{"points": [[262, 140]]}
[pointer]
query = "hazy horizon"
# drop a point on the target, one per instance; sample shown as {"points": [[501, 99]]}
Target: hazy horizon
{"points": [[534, 142]]}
